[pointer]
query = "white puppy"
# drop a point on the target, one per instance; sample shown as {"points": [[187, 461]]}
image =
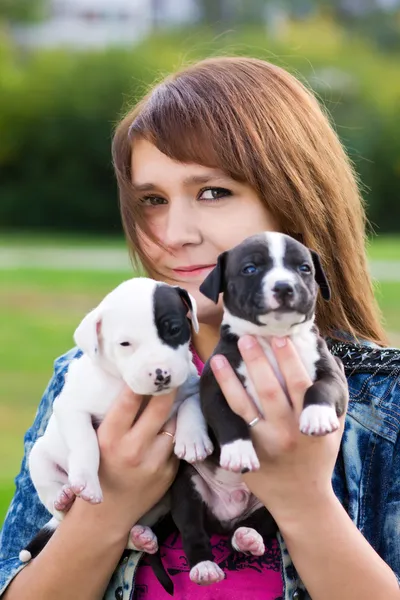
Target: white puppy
{"points": [[139, 335]]}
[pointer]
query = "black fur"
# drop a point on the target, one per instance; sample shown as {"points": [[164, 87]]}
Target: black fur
{"points": [[171, 306], [244, 297]]}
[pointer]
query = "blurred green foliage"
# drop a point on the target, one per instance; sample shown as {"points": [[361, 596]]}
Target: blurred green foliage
{"points": [[58, 110]]}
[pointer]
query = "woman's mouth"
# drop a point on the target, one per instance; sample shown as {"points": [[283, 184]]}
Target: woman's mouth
{"points": [[190, 271]]}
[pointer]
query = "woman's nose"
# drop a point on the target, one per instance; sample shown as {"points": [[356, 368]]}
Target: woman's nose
{"points": [[182, 226]]}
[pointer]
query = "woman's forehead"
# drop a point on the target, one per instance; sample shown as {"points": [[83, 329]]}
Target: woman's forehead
{"points": [[149, 165]]}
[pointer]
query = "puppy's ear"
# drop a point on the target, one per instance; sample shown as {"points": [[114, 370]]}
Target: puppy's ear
{"points": [[214, 283], [191, 305], [86, 335], [320, 276]]}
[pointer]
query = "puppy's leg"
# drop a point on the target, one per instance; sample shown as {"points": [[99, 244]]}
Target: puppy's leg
{"points": [[192, 441], [49, 479], [326, 399], [249, 537], [143, 539], [188, 514], [232, 433], [83, 455]]}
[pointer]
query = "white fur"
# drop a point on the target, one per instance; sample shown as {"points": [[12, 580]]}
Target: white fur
{"points": [[191, 439], [248, 540], [143, 539], [239, 455], [67, 455], [318, 420], [278, 272], [206, 572]]}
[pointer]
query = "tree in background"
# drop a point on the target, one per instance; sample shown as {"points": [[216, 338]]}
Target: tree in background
{"points": [[23, 10]]}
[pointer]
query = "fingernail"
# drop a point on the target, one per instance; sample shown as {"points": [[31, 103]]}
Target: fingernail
{"points": [[247, 342], [279, 342], [218, 362]]}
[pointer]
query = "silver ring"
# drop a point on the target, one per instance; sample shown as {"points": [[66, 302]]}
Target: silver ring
{"points": [[254, 421], [171, 435]]}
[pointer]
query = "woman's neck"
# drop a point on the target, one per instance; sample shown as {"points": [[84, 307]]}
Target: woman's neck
{"points": [[205, 341]]}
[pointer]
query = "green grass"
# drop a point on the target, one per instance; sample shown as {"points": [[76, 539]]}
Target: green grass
{"points": [[39, 310], [384, 247], [18, 239], [381, 247]]}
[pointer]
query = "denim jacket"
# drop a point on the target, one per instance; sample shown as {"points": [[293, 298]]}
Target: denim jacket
{"points": [[366, 477]]}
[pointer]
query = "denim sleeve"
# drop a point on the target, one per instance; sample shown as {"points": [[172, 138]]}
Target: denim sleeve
{"points": [[390, 549], [26, 515]]}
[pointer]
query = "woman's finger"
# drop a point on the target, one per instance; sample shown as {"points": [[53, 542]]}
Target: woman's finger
{"points": [[272, 397], [232, 389], [152, 419], [166, 437], [122, 414], [293, 370]]}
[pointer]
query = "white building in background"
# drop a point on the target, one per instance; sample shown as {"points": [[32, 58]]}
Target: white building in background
{"points": [[99, 23]]}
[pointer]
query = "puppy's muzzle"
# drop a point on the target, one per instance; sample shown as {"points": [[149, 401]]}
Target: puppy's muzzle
{"points": [[283, 292], [162, 379]]}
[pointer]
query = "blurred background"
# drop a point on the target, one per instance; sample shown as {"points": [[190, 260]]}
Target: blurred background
{"points": [[68, 68]]}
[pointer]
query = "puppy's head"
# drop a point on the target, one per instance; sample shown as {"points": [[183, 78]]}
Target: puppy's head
{"points": [[141, 332], [270, 280]]}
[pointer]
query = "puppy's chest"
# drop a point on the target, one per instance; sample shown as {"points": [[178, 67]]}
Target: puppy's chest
{"points": [[306, 347]]}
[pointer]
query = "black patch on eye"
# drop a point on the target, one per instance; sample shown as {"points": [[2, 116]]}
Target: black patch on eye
{"points": [[170, 316], [243, 295]]}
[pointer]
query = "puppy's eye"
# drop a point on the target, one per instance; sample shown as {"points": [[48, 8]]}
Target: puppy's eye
{"points": [[305, 268], [125, 344], [250, 269], [174, 329]]}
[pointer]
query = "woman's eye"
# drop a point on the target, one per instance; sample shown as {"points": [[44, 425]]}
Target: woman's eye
{"points": [[305, 268], [125, 344], [152, 201], [214, 193], [249, 269]]}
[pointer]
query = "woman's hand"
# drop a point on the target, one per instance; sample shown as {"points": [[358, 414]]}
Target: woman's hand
{"points": [[296, 470], [137, 464]]}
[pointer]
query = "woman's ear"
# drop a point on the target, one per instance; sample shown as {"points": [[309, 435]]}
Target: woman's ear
{"points": [[87, 333], [191, 305], [320, 276], [214, 283]]}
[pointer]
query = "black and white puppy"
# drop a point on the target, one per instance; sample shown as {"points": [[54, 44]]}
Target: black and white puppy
{"points": [[139, 336], [269, 284]]}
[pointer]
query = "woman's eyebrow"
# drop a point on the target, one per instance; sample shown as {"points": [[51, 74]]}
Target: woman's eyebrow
{"points": [[187, 182]]}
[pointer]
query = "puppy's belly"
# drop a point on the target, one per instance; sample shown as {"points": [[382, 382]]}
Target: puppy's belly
{"points": [[226, 496]]}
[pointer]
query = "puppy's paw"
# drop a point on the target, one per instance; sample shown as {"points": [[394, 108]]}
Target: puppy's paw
{"points": [[249, 541], [64, 499], [239, 457], [318, 419], [86, 488], [143, 539], [206, 573], [193, 446]]}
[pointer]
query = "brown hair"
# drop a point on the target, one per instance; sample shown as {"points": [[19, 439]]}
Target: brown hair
{"points": [[260, 125]]}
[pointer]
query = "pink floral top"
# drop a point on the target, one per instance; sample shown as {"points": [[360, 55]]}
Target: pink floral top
{"points": [[255, 577]]}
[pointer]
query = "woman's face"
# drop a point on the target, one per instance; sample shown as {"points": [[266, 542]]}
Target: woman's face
{"points": [[197, 212]]}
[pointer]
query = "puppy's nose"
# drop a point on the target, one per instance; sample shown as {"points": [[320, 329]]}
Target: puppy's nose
{"points": [[162, 378], [283, 289]]}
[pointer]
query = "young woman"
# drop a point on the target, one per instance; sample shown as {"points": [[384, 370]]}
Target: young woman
{"points": [[219, 151]]}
